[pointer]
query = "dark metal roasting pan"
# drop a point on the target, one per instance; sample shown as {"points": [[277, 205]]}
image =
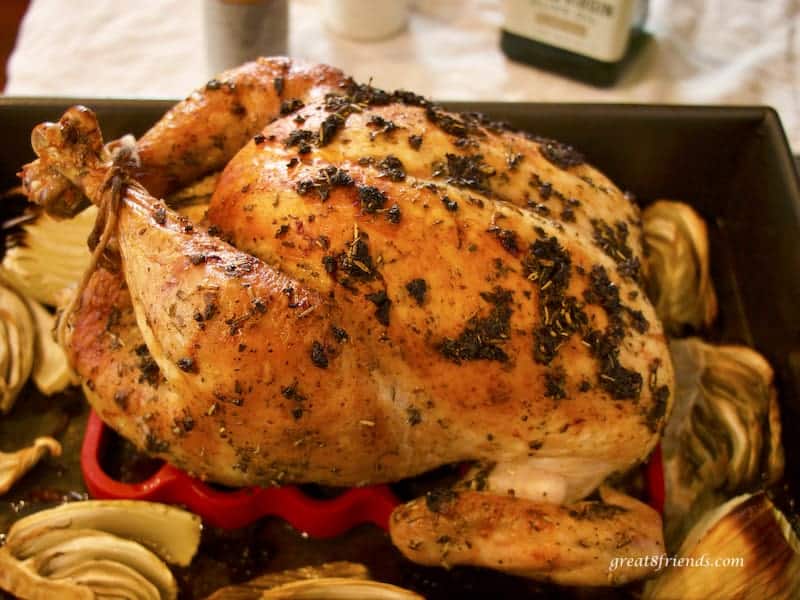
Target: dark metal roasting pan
{"points": [[732, 164]]}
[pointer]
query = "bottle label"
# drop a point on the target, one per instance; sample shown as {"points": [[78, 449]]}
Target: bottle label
{"points": [[599, 29]]}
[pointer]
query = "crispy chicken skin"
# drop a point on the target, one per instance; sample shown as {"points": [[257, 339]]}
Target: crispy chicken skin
{"points": [[386, 288], [200, 134]]}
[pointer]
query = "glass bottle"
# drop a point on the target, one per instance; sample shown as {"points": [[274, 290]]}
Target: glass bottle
{"points": [[588, 40]]}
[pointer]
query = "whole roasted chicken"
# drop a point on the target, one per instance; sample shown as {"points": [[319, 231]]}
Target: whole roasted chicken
{"points": [[381, 287]]}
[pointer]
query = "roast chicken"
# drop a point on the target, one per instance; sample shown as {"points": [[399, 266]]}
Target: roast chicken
{"points": [[380, 287]]}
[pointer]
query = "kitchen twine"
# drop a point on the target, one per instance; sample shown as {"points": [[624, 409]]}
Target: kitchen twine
{"points": [[124, 156]]}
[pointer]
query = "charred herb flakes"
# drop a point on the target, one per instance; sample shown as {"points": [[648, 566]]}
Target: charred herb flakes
{"points": [[326, 179], [450, 205], [545, 188], [414, 416], [482, 337], [630, 268], [447, 122], [148, 368], [339, 334], [290, 106], [187, 365], [513, 160], [415, 141], [382, 306], [366, 94], [372, 199], [291, 392], [603, 291], [319, 356], [613, 241], [538, 208], [392, 167], [339, 103], [637, 320], [561, 155], [466, 171], [409, 98], [329, 127], [548, 266], [508, 239], [329, 263], [381, 126], [483, 120], [555, 380], [301, 139], [394, 214], [620, 382], [241, 266], [417, 288], [185, 423], [259, 305], [209, 311], [655, 416]]}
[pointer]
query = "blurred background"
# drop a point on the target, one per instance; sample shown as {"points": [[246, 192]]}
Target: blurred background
{"points": [[692, 51]]}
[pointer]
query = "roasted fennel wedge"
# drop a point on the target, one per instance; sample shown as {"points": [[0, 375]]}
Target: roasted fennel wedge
{"points": [[98, 549], [677, 272], [19, 336], [329, 580], [48, 256], [14, 465], [724, 435], [744, 549]]}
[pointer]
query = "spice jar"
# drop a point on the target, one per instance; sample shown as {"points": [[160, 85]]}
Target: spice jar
{"points": [[241, 30]]}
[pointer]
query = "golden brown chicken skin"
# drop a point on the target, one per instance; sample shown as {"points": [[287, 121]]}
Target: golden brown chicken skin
{"points": [[200, 134], [386, 288]]}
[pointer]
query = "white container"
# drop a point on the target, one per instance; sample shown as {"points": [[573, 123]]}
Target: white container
{"points": [[241, 30], [366, 20]]}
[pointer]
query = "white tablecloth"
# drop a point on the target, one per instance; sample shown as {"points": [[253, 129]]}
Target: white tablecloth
{"points": [[706, 52]]}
